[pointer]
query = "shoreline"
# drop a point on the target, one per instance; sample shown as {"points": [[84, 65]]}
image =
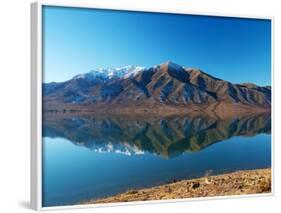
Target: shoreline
{"points": [[235, 183]]}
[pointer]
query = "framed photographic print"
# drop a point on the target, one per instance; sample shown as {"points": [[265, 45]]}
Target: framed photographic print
{"points": [[133, 106]]}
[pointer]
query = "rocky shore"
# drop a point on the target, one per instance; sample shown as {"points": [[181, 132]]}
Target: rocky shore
{"points": [[236, 183]]}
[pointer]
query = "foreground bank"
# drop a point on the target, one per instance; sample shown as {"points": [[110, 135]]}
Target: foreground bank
{"points": [[236, 183]]}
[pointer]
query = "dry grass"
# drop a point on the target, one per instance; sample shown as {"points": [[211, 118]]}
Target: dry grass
{"points": [[236, 183]]}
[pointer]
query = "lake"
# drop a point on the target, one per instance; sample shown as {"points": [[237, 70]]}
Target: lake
{"points": [[88, 157]]}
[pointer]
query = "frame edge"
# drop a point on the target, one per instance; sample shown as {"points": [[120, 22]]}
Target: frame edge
{"points": [[36, 96], [35, 189]]}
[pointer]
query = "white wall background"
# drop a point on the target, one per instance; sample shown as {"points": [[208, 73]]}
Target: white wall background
{"points": [[15, 98]]}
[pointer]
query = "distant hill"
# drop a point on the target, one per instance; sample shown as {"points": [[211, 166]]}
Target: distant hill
{"points": [[168, 88]]}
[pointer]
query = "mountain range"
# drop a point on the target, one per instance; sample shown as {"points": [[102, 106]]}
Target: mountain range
{"points": [[165, 88]]}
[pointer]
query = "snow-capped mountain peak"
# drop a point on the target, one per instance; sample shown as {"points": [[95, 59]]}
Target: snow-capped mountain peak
{"points": [[109, 73], [133, 71]]}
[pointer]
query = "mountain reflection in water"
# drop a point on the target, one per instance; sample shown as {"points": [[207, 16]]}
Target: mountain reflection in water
{"points": [[167, 137]]}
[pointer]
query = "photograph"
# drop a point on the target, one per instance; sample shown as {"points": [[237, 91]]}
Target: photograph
{"points": [[148, 106]]}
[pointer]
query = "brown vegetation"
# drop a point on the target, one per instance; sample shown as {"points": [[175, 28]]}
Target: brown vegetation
{"points": [[236, 183]]}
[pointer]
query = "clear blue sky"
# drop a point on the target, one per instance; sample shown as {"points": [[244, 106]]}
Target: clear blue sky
{"points": [[77, 40]]}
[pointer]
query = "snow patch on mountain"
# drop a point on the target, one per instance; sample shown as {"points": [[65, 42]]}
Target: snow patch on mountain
{"points": [[111, 73], [133, 72]]}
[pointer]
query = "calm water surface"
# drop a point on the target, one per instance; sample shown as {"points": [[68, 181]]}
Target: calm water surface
{"points": [[86, 158]]}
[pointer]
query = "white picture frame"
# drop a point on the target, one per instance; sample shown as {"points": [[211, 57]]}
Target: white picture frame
{"points": [[36, 100]]}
